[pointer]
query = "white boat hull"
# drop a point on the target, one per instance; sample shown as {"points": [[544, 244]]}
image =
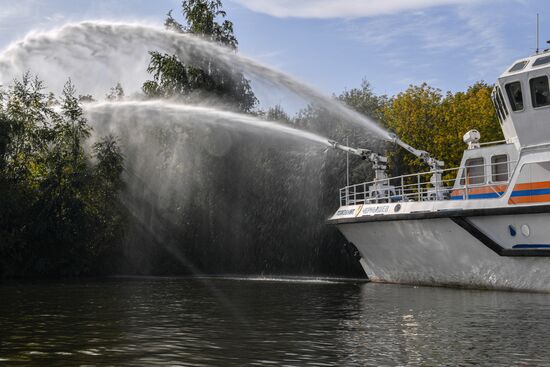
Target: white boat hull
{"points": [[438, 251]]}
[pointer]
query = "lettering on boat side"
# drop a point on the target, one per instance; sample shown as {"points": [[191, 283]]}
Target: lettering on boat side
{"points": [[345, 212], [355, 211], [378, 209]]}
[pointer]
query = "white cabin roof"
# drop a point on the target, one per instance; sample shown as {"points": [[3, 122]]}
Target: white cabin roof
{"points": [[534, 62]]}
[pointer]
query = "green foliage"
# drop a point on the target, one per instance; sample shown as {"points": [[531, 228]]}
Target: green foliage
{"points": [[59, 213], [424, 118], [5, 133], [110, 163], [365, 101], [115, 94], [201, 17], [86, 98], [462, 112], [278, 114], [174, 79]]}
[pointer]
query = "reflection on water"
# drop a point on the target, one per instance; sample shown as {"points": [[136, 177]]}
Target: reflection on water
{"points": [[234, 322]]}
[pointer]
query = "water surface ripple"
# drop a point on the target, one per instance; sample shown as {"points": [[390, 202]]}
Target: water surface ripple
{"points": [[235, 322]]}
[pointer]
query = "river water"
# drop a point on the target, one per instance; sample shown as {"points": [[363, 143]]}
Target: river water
{"points": [[236, 322]]}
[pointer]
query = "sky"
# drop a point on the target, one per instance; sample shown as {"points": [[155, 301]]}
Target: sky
{"points": [[335, 44]]}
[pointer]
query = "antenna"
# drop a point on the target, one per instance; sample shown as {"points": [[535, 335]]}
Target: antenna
{"points": [[347, 163], [537, 49]]}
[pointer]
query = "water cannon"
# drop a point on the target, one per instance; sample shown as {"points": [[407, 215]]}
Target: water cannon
{"points": [[434, 164], [381, 188], [363, 153], [379, 162]]}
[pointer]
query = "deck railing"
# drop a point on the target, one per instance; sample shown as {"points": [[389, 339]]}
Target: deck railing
{"points": [[421, 186]]}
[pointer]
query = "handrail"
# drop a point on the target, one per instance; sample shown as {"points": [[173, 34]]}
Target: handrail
{"points": [[492, 143], [418, 186]]}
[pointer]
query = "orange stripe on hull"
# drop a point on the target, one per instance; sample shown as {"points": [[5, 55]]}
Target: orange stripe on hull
{"points": [[481, 190], [529, 199], [514, 199], [532, 185]]}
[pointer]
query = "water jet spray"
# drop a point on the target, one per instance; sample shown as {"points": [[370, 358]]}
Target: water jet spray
{"points": [[209, 115], [119, 52], [119, 47]]}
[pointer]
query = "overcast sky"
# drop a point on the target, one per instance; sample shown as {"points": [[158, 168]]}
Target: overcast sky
{"points": [[334, 44]]}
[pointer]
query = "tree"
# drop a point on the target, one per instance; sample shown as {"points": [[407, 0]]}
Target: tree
{"points": [[5, 132], [364, 100], [416, 117], [86, 98], [423, 118], [59, 213], [110, 163], [463, 111], [277, 114], [174, 79], [74, 124], [115, 94], [201, 16], [109, 216], [31, 116]]}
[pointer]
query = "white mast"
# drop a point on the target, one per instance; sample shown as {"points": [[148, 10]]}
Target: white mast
{"points": [[538, 38]]}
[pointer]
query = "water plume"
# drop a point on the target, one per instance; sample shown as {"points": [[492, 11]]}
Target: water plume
{"points": [[214, 187], [95, 51], [153, 110]]}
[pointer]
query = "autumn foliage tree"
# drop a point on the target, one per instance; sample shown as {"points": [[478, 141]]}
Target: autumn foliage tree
{"points": [[426, 119]]}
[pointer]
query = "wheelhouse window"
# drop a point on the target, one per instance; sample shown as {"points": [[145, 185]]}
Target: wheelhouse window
{"points": [[540, 93], [496, 107], [498, 102], [518, 66], [515, 96], [501, 100], [499, 168], [542, 61], [474, 172]]}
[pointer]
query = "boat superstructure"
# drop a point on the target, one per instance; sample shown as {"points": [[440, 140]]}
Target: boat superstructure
{"points": [[485, 224]]}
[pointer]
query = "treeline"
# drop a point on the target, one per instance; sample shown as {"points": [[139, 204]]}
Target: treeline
{"points": [[198, 199]]}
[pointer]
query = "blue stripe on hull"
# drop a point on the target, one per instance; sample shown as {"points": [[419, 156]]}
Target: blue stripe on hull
{"points": [[491, 195], [532, 246], [494, 195], [530, 192]]}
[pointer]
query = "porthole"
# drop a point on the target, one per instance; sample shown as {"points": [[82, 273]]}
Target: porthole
{"points": [[525, 230]]}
